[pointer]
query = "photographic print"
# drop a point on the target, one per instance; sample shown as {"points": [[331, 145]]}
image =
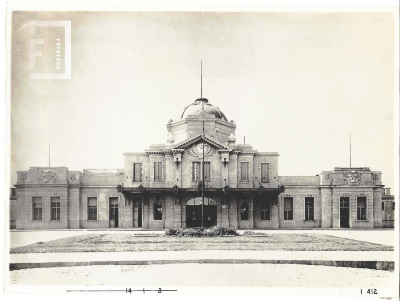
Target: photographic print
{"points": [[202, 150]]}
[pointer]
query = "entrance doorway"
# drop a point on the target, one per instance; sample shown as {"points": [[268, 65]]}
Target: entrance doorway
{"points": [[113, 212], [344, 212], [193, 213]]}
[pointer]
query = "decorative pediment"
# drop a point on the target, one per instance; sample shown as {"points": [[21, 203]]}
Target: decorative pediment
{"points": [[192, 142]]}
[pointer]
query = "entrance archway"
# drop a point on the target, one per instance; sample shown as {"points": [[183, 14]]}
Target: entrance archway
{"points": [[193, 213]]}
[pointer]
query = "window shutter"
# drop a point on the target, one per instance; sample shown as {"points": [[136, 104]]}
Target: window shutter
{"points": [[264, 172], [37, 204], [245, 171], [37, 200], [55, 199], [156, 171], [361, 202], [288, 204], [137, 172], [196, 171], [92, 201], [207, 176]]}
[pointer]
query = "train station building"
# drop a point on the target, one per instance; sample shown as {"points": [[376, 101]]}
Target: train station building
{"points": [[161, 187]]}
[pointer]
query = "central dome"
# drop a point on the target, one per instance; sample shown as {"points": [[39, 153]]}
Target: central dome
{"points": [[196, 109]]}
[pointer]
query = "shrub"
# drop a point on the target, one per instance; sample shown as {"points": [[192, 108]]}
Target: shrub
{"points": [[200, 232], [252, 233], [231, 231], [170, 232]]}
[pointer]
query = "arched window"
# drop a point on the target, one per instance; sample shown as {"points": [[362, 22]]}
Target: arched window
{"points": [[158, 211], [244, 211]]}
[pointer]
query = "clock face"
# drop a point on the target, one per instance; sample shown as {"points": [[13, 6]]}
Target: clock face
{"points": [[197, 150]]}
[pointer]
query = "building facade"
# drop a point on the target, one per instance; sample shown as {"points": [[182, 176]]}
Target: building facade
{"points": [[162, 187]]}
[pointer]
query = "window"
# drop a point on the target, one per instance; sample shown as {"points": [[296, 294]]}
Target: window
{"points": [[196, 176], [207, 176], [157, 171], [288, 208], [393, 205], [244, 211], [244, 166], [361, 206], [264, 172], [383, 206], [55, 208], [37, 208], [137, 172], [196, 171], [92, 209], [309, 208], [344, 202], [265, 210], [158, 211]]}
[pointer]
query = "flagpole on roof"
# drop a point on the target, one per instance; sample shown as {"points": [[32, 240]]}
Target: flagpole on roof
{"points": [[350, 150], [202, 184], [49, 148]]}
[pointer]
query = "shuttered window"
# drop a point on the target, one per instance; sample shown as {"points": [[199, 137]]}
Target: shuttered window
{"points": [[361, 208], [157, 171], [288, 208], [137, 172], [196, 171], [207, 175], [309, 208], [92, 209], [265, 172], [37, 208], [55, 208], [244, 166]]}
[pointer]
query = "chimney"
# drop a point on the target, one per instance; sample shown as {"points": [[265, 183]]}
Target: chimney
{"points": [[387, 191]]}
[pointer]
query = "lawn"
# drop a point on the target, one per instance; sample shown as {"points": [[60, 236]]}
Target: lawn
{"points": [[135, 243]]}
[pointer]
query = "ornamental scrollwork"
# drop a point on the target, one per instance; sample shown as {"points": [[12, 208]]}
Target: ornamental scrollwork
{"points": [[47, 176], [197, 150], [353, 177]]}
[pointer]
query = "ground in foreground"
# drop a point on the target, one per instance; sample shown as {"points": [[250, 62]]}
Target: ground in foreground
{"points": [[213, 275], [132, 243]]}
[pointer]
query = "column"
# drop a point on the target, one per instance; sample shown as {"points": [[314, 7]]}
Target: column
{"points": [[377, 208], [169, 210], [73, 208], [146, 212], [326, 207], [233, 212]]}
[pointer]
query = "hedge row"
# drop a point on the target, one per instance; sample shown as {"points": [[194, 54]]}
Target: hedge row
{"points": [[201, 232]]}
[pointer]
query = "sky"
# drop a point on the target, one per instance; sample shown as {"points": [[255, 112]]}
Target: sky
{"points": [[294, 83]]}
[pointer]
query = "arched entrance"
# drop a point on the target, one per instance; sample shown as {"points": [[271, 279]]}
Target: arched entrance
{"points": [[193, 213]]}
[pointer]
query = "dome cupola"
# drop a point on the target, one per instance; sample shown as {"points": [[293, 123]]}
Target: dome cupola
{"points": [[201, 104]]}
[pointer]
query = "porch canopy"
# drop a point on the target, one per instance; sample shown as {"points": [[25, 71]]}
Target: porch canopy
{"points": [[129, 191]]}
